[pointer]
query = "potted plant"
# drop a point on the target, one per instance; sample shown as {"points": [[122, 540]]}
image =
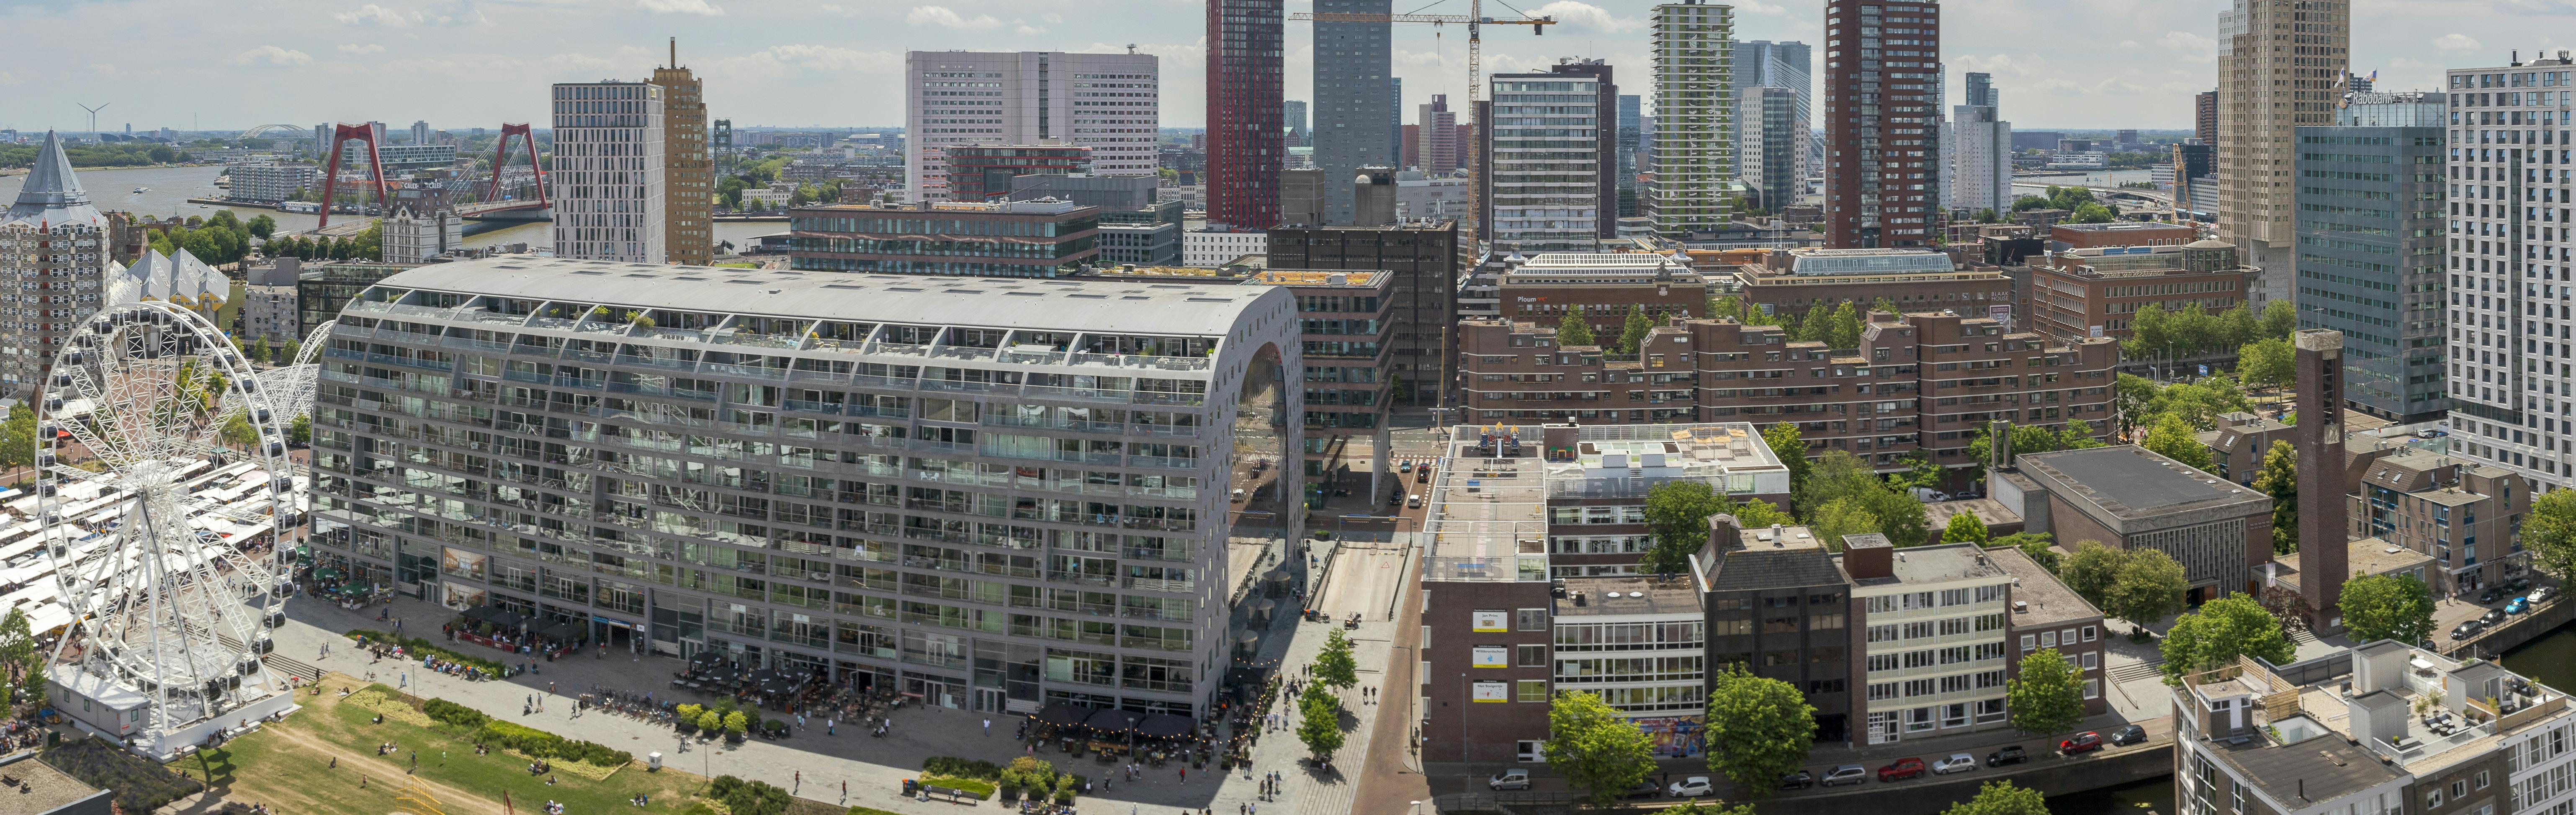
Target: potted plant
{"points": [[735, 724]]}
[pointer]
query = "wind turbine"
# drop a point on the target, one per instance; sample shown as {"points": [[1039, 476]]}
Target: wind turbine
{"points": [[93, 118]]}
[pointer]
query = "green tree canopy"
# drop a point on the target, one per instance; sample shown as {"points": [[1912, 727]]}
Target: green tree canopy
{"points": [[2175, 439], [2548, 530], [1791, 450], [2279, 479], [2047, 694], [1844, 327], [1759, 729], [1965, 527], [2280, 319], [1841, 517], [1841, 475], [18, 437], [1597, 750], [1335, 666], [2148, 586], [2219, 632], [2387, 607], [1573, 331], [2268, 363], [2001, 798], [1677, 515], [2090, 569], [2035, 545], [1632, 335], [1319, 725], [2091, 214]]}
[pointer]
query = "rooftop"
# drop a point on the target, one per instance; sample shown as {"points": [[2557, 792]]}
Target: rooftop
{"points": [[2389, 708], [1042, 206], [2132, 482], [41, 788], [2367, 556], [1124, 308], [1807, 261], [1618, 460], [2039, 598], [1626, 596], [1769, 561], [1486, 518], [2120, 226]]}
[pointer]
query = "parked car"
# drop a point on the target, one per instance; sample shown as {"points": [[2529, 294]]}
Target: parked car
{"points": [[2518, 584], [2517, 605], [1696, 786], [1509, 780], [1901, 769], [2541, 595], [2085, 742], [2011, 754], [2131, 734], [2468, 629], [1847, 774], [1798, 780], [2492, 617], [1413, 501], [1956, 763], [2492, 594], [1930, 495], [1644, 789]]}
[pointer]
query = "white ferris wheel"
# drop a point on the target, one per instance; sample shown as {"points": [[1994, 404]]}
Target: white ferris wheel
{"points": [[172, 598]]}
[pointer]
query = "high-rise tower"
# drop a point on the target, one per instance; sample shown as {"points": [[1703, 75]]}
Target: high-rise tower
{"points": [[1244, 42], [607, 172], [1882, 89], [688, 175], [1352, 99], [1107, 102], [2278, 64], [1692, 181], [2510, 261]]}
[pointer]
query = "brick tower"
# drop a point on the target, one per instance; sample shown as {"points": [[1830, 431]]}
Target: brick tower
{"points": [[2324, 549]]}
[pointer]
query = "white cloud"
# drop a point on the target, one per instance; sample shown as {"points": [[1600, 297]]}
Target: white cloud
{"points": [[361, 49], [453, 12], [2189, 44], [372, 14], [830, 58], [1052, 18], [698, 7], [103, 68], [942, 16], [1576, 12], [1759, 7], [272, 55], [1030, 30], [2456, 43]]}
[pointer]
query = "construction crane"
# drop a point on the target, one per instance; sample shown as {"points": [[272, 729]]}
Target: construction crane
{"points": [[1476, 21]]}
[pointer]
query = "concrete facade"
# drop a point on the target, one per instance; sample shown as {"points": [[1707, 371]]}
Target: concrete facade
{"points": [[1691, 172], [2264, 96], [607, 177], [2499, 252], [1110, 103]]}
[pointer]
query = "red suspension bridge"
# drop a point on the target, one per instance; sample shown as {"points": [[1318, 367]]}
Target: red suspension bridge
{"points": [[524, 200]]}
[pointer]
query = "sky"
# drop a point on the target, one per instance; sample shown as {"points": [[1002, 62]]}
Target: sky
{"points": [[189, 64]]}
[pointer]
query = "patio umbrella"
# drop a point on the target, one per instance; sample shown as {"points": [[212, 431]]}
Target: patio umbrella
{"points": [[1165, 726], [506, 618], [481, 613], [707, 659], [1063, 714], [1114, 721]]}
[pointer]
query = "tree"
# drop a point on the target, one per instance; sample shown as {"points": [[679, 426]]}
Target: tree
{"points": [[2219, 632], [2242, 326], [2148, 586], [1759, 729], [262, 226], [1844, 327], [2032, 544], [1839, 474], [736, 723], [1335, 667], [1965, 527], [1677, 515], [2387, 607], [1320, 726], [300, 431], [711, 721], [1817, 325], [2092, 214], [2046, 695], [2267, 362], [1791, 451], [1632, 335], [2280, 319], [20, 668], [1573, 331], [2548, 530], [1988, 216], [2090, 570], [2001, 798], [2175, 439], [259, 350], [287, 352], [2132, 401], [18, 438], [1597, 750], [1841, 517], [1755, 513], [2279, 478]]}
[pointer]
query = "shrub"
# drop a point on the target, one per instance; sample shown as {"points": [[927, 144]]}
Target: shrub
{"points": [[690, 711], [710, 721], [955, 767], [979, 789], [735, 723], [417, 647], [140, 785], [453, 713], [540, 744], [772, 724], [748, 797]]}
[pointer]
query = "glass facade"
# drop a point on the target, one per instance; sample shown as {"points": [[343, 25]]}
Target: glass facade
{"points": [[2370, 261]]}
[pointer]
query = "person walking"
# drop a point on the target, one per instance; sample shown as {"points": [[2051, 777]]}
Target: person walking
{"points": [[988, 728]]}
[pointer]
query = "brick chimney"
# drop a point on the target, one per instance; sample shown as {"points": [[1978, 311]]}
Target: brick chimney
{"points": [[2324, 548], [1868, 557]]}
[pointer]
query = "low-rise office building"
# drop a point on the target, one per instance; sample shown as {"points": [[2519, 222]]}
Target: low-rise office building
{"points": [[1602, 288], [2465, 515], [1213, 246], [1791, 281], [1934, 622], [1423, 255], [2095, 292], [2129, 497], [2045, 615], [1000, 239], [991, 495], [2241, 442], [1779, 605]]}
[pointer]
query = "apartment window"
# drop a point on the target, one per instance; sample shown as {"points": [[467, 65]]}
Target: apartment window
{"points": [[2236, 791], [2048, 639], [2091, 660], [2459, 789], [2068, 636], [2432, 799], [1533, 751], [2029, 643], [1533, 619], [2089, 633], [2482, 779], [1535, 656], [1532, 690]]}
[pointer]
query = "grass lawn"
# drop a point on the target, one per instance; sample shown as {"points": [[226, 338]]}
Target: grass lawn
{"points": [[288, 766]]}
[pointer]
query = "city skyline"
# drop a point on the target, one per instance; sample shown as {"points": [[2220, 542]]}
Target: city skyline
{"points": [[464, 64]]}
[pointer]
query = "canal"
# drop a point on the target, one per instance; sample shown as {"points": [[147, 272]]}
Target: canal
{"points": [[2549, 660], [2154, 796], [167, 190]]}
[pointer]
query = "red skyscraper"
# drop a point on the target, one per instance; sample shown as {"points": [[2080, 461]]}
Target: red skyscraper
{"points": [[1245, 112], [1882, 77]]}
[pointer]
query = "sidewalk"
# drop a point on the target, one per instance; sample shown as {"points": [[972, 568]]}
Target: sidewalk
{"points": [[872, 769]]}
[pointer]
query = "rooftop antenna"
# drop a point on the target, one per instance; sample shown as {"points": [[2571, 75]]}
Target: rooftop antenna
{"points": [[93, 117], [1131, 48]]}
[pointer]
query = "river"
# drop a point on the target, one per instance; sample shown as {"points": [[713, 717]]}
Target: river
{"points": [[2099, 178], [169, 188]]}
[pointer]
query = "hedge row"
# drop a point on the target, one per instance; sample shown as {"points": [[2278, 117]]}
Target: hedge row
{"points": [[541, 744], [961, 768], [416, 647], [452, 713]]}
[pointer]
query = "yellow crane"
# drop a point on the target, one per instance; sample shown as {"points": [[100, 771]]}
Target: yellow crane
{"points": [[1476, 21]]}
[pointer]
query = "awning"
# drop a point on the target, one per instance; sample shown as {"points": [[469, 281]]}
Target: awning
{"points": [[1114, 721], [1165, 726], [1063, 714]]}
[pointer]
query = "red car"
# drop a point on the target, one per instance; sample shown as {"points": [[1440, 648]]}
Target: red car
{"points": [[2085, 742], [1902, 769]]}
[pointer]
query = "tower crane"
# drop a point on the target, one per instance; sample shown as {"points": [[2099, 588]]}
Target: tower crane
{"points": [[1476, 21]]}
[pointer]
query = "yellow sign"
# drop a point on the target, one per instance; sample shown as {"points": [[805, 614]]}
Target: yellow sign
{"points": [[1492, 656], [1491, 692], [1486, 621]]}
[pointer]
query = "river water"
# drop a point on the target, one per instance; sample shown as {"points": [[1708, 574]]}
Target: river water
{"points": [[169, 189], [2098, 178]]}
